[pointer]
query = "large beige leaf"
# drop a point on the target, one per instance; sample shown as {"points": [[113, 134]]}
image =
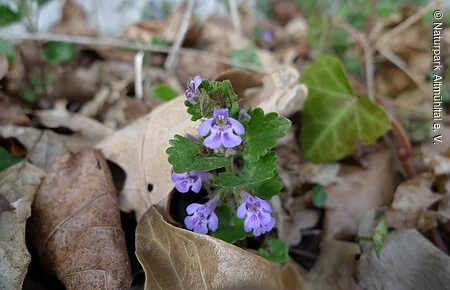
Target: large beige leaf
{"points": [[140, 147], [18, 184], [174, 258], [358, 191]]}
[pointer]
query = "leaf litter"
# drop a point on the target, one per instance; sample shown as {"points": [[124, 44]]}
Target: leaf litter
{"points": [[63, 101]]}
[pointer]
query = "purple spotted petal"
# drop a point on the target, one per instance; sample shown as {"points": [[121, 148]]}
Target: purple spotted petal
{"points": [[256, 214], [223, 112], [190, 209], [182, 186], [213, 141], [200, 217], [229, 140]]}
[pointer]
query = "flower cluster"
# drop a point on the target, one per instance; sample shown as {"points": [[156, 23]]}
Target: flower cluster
{"points": [[206, 164]]}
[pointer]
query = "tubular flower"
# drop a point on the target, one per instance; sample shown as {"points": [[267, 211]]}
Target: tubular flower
{"points": [[193, 179], [192, 90], [257, 216], [201, 216], [223, 129]]}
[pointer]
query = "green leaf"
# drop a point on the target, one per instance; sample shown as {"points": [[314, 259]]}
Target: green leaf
{"points": [[8, 16], [57, 52], [247, 55], [7, 48], [334, 120], [269, 188], [157, 40], [379, 234], [254, 174], [184, 156], [319, 196], [7, 159], [262, 133], [231, 228], [30, 95], [277, 251], [164, 92]]}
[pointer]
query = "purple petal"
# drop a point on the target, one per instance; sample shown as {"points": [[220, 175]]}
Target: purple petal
{"points": [[242, 210], [197, 185], [213, 141], [182, 186], [229, 140], [177, 177], [265, 218], [205, 127], [190, 209], [201, 228], [237, 127], [252, 221], [196, 81], [223, 112], [265, 206], [213, 222], [258, 231], [189, 221], [205, 176], [268, 227]]}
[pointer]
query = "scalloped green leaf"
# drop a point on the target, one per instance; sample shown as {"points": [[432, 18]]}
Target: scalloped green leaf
{"points": [[254, 174], [231, 228], [277, 251], [184, 156], [262, 133], [334, 120]]}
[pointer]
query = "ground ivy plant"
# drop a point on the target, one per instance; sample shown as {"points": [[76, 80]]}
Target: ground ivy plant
{"points": [[233, 153]]}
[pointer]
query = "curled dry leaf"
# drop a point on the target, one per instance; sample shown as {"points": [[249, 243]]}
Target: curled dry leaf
{"points": [[76, 226], [423, 220], [18, 185], [415, 194], [174, 258], [42, 146], [73, 21], [140, 149], [11, 112], [358, 191]]}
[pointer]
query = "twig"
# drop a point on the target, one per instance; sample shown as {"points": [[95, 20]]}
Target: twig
{"points": [[368, 57], [138, 84], [172, 58], [93, 41], [235, 18], [408, 22]]}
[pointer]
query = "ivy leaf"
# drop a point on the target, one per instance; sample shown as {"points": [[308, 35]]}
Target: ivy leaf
{"points": [[319, 196], [262, 133], [164, 92], [231, 228], [334, 120], [8, 16], [269, 188], [254, 174], [277, 251], [379, 234], [184, 156], [7, 159], [57, 52]]}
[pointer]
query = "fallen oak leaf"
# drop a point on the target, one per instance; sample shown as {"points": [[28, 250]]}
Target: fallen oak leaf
{"points": [[174, 258], [76, 226], [5, 205], [18, 186]]}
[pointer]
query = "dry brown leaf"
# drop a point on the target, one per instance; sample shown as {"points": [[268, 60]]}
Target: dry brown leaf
{"points": [[423, 220], [84, 127], [73, 21], [415, 194], [11, 112], [18, 185], [358, 191], [5, 205], [190, 65], [444, 204], [140, 149], [76, 226], [407, 261], [439, 163], [4, 65], [240, 79], [42, 146], [174, 258]]}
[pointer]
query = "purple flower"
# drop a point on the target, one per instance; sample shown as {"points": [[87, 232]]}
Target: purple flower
{"points": [[257, 216], [221, 127], [192, 90], [267, 36], [186, 180], [202, 216]]}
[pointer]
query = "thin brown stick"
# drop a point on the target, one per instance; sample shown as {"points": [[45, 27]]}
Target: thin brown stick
{"points": [[117, 43]]}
